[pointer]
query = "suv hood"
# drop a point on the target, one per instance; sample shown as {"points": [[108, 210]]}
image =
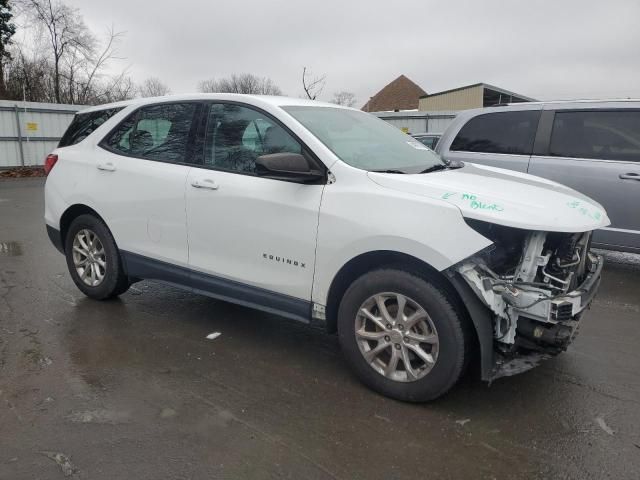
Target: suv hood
{"points": [[504, 197]]}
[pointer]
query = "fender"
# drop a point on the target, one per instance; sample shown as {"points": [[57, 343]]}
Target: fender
{"points": [[356, 221], [482, 321]]}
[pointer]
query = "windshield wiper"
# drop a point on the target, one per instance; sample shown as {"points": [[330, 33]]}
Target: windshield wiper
{"points": [[455, 164], [387, 171], [435, 168]]}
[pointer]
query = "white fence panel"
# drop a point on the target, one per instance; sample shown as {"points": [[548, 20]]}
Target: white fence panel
{"points": [[31, 130], [9, 154]]}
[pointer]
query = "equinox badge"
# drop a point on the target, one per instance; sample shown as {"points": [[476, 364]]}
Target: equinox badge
{"points": [[287, 261]]}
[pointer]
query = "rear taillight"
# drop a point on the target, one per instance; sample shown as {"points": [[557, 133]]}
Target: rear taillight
{"points": [[51, 160]]}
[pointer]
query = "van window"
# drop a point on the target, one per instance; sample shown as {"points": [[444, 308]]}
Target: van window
{"points": [[156, 132], [84, 124], [606, 135], [502, 132]]}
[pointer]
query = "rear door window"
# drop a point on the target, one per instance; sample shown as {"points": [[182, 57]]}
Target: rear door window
{"points": [[503, 132], [601, 134], [156, 132], [84, 124]]}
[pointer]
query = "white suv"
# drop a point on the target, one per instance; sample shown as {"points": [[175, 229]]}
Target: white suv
{"points": [[329, 216]]}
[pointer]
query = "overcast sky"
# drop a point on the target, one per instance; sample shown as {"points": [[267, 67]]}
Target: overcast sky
{"points": [[543, 49]]}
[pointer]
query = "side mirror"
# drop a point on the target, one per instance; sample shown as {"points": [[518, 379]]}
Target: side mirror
{"points": [[292, 167]]}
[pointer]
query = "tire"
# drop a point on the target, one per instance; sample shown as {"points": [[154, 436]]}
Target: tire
{"points": [[444, 328], [107, 279]]}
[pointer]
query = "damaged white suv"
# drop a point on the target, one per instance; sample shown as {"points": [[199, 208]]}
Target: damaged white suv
{"points": [[329, 216]]}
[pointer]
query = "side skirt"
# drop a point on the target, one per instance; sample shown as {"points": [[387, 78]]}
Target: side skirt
{"points": [[139, 266]]}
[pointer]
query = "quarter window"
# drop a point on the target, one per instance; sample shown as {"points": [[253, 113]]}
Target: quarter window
{"points": [[606, 135], [236, 136], [503, 132], [84, 124], [156, 132]]}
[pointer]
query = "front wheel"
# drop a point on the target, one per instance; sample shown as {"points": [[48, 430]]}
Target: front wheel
{"points": [[402, 335], [93, 259]]}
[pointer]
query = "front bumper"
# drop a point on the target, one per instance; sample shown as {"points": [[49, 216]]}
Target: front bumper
{"points": [[537, 341], [534, 307], [581, 297], [539, 335]]}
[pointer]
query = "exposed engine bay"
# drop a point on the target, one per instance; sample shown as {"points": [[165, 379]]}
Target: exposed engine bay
{"points": [[536, 285]]}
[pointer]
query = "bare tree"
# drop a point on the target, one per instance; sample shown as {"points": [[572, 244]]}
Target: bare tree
{"points": [[240, 83], [72, 62], [95, 61], [28, 76], [153, 87], [347, 99], [119, 88], [313, 86], [66, 31], [7, 30]]}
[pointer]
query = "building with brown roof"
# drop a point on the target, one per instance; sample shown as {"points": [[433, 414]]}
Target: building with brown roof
{"points": [[401, 94]]}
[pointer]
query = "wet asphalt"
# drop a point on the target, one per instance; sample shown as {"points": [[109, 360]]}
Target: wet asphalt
{"points": [[132, 389]]}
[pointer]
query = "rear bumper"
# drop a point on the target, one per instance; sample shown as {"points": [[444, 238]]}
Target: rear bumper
{"points": [[56, 238]]}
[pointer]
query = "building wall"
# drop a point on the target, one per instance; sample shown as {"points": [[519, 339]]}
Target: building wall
{"points": [[462, 99], [29, 130]]}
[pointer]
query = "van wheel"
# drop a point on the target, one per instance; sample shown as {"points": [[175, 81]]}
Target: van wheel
{"points": [[93, 259], [402, 336]]}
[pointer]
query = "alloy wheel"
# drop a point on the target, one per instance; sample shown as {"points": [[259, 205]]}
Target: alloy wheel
{"points": [[89, 257], [396, 337]]}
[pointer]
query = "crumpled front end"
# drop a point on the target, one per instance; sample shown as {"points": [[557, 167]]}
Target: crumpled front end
{"points": [[536, 286]]}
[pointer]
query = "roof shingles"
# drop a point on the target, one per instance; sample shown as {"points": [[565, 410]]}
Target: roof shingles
{"points": [[400, 94]]}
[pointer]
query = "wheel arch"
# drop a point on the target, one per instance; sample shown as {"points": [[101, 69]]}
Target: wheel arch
{"points": [[468, 304], [374, 260], [70, 214]]}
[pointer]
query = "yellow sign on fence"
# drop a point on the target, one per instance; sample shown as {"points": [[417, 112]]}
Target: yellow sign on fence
{"points": [[32, 127]]}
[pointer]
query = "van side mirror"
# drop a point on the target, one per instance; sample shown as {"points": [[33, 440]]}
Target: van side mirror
{"points": [[292, 167]]}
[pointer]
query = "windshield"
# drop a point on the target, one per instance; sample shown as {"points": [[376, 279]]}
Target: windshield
{"points": [[364, 141]]}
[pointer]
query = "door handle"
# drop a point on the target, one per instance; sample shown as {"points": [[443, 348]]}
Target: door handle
{"points": [[107, 167], [630, 176], [206, 183]]}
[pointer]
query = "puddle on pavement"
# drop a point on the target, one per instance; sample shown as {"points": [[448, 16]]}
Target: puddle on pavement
{"points": [[10, 249]]}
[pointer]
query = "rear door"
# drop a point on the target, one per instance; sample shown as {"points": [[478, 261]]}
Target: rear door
{"points": [[497, 138], [597, 152], [138, 181]]}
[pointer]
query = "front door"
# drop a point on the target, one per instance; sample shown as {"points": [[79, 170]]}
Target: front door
{"points": [[251, 238]]}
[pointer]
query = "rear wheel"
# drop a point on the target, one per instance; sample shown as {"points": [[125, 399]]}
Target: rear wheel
{"points": [[402, 336], [93, 259]]}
